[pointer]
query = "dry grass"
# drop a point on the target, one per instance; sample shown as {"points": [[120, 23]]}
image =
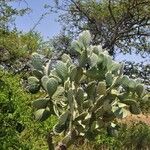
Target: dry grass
{"points": [[136, 119]]}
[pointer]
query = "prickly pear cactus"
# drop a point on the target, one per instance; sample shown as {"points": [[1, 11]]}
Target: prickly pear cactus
{"points": [[86, 95]]}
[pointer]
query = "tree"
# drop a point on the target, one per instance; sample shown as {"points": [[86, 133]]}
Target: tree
{"points": [[119, 25], [16, 47], [8, 13], [11, 41], [61, 44]]}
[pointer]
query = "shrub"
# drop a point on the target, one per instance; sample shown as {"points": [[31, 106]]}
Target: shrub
{"points": [[86, 95], [135, 137], [18, 128]]}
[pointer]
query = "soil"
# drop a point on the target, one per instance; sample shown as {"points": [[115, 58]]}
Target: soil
{"points": [[137, 118]]}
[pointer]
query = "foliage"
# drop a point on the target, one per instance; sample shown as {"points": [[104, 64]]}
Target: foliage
{"points": [[145, 104], [16, 48], [86, 95], [64, 43], [105, 141], [18, 128], [135, 137], [120, 26], [8, 13], [138, 70], [15, 45], [116, 24]]}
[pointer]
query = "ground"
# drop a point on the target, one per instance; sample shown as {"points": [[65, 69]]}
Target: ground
{"points": [[137, 118]]}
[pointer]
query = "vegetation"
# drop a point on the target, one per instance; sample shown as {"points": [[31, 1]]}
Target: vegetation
{"points": [[8, 13], [79, 93], [86, 95], [115, 24], [18, 128], [120, 26], [15, 45]]}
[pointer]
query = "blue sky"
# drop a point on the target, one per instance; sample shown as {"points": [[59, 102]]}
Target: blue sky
{"points": [[49, 26]]}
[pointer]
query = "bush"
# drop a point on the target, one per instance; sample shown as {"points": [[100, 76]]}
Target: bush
{"points": [[14, 44], [135, 137], [18, 129]]}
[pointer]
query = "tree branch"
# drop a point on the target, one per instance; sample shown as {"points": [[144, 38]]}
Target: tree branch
{"points": [[111, 13]]}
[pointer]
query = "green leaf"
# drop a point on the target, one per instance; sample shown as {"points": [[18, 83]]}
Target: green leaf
{"points": [[67, 84], [109, 78], [115, 68], [81, 116], [62, 124], [77, 46], [108, 62], [87, 104], [37, 73], [79, 96], [83, 58], [139, 89], [37, 61], [133, 106], [86, 121], [40, 103], [99, 112], [132, 84], [121, 70], [70, 97], [101, 58], [73, 73], [129, 102], [91, 89], [44, 81], [52, 85], [134, 109], [123, 96], [56, 110], [79, 75], [106, 105], [62, 70], [101, 88], [59, 94], [121, 105], [120, 112], [66, 58], [33, 80], [125, 81], [42, 114], [93, 73], [93, 59], [79, 127], [34, 85], [146, 98], [54, 74], [112, 130], [58, 128], [63, 118], [85, 38], [97, 49]]}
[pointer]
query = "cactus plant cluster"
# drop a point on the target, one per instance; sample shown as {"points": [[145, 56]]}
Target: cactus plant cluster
{"points": [[85, 94]]}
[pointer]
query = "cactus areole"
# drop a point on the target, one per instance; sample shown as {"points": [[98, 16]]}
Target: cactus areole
{"points": [[86, 95]]}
